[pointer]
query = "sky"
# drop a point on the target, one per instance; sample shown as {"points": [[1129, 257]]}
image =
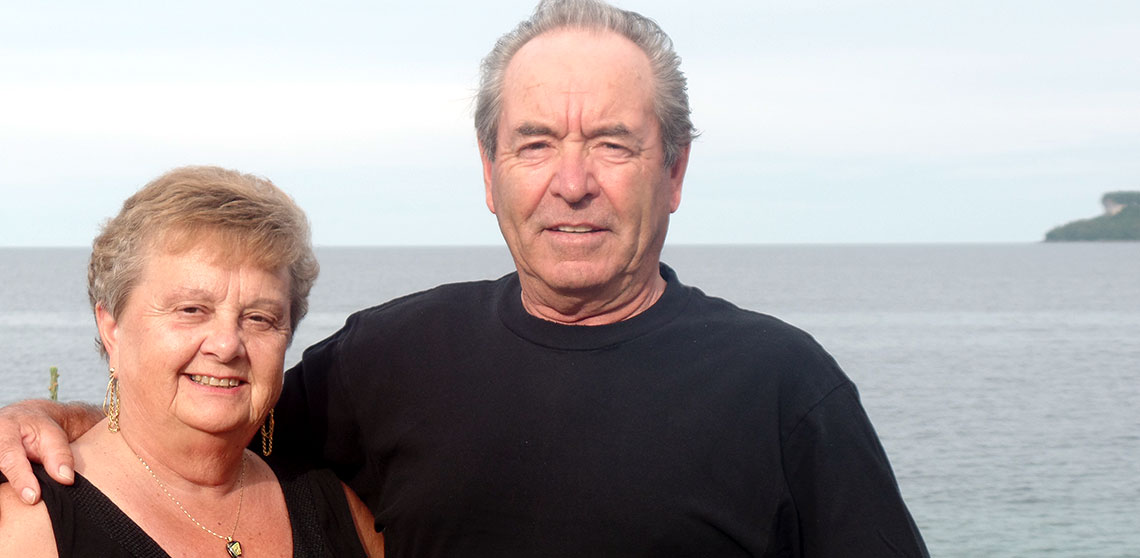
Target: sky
{"points": [[842, 121]]}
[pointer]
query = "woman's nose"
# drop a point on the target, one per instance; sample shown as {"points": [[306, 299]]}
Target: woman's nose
{"points": [[224, 341]]}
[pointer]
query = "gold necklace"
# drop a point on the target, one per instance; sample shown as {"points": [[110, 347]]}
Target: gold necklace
{"points": [[232, 546]]}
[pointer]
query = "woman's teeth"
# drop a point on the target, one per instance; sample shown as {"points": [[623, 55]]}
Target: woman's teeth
{"points": [[215, 382]]}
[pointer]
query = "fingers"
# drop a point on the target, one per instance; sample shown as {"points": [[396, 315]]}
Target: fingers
{"points": [[50, 443], [15, 466], [28, 432]]}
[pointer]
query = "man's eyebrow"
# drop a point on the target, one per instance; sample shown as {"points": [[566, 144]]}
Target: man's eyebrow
{"points": [[617, 130], [531, 129], [528, 129]]}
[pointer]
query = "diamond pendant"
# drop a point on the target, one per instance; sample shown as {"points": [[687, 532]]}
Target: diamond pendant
{"points": [[234, 548]]}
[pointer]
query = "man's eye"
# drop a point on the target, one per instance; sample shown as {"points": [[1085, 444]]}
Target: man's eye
{"points": [[614, 148]]}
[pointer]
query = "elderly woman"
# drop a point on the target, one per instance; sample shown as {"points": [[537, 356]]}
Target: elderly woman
{"points": [[197, 286]]}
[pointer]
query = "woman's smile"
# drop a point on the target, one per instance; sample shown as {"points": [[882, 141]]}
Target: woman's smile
{"points": [[215, 382]]}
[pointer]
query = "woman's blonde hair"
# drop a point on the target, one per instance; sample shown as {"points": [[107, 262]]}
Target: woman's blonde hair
{"points": [[255, 220]]}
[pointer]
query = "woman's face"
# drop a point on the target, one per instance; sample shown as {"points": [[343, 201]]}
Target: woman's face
{"points": [[200, 343]]}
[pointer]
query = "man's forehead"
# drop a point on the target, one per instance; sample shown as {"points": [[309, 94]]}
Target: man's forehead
{"points": [[577, 66], [577, 51]]}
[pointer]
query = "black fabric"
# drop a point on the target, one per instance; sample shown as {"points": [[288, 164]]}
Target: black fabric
{"points": [[86, 523], [471, 428]]}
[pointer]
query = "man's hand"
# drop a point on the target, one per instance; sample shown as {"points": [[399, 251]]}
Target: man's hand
{"points": [[40, 431]]}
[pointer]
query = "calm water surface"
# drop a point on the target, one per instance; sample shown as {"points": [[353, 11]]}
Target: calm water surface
{"points": [[1004, 380]]}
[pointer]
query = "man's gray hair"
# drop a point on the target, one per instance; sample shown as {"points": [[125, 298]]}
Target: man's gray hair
{"points": [[671, 101]]}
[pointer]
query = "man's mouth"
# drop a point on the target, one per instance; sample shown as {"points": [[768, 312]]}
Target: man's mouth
{"points": [[575, 228], [215, 382]]}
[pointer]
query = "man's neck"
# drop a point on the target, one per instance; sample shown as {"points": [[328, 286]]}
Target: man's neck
{"points": [[600, 306]]}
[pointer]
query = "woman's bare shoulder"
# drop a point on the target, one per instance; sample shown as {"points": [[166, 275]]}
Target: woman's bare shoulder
{"points": [[24, 530]]}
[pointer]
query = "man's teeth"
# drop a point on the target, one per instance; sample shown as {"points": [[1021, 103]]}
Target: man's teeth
{"points": [[575, 229], [215, 382]]}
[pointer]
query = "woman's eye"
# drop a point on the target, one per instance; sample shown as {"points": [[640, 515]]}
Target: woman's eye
{"points": [[262, 320]]}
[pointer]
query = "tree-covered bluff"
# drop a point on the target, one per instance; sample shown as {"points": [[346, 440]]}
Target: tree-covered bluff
{"points": [[1121, 221]]}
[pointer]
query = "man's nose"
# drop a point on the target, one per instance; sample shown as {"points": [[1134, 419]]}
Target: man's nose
{"points": [[573, 181]]}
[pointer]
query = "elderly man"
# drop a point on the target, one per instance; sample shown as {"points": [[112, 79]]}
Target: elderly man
{"points": [[589, 404]]}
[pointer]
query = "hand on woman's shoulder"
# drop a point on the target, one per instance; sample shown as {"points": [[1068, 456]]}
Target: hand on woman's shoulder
{"points": [[24, 530]]}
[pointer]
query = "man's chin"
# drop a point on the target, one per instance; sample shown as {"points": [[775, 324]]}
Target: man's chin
{"points": [[577, 277]]}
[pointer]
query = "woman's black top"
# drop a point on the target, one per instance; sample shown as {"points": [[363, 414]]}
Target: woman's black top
{"points": [[87, 523]]}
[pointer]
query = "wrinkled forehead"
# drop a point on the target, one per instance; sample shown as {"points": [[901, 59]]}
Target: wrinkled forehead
{"points": [[574, 81]]}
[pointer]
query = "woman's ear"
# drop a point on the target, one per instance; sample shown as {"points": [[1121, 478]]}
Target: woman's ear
{"points": [[108, 332]]}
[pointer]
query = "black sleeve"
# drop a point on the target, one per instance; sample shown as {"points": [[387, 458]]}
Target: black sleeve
{"points": [[319, 514], [842, 485], [315, 424]]}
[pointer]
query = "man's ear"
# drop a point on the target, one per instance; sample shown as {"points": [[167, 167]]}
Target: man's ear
{"points": [[487, 163], [108, 333], [677, 177]]}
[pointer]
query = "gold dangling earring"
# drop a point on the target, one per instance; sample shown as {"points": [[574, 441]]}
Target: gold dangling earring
{"points": [[267, 436], [111, 402]]}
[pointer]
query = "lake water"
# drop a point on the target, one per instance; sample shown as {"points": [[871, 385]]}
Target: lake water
{"points": [[1004, 380]]}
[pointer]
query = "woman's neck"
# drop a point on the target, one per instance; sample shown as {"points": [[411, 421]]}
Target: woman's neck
{"points": [[178, 459]]}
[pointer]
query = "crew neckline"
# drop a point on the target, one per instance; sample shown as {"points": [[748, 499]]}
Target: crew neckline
{"points": [[510, 309]]}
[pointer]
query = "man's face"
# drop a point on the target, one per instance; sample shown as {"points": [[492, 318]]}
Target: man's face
{"points": [[578, 183]]}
